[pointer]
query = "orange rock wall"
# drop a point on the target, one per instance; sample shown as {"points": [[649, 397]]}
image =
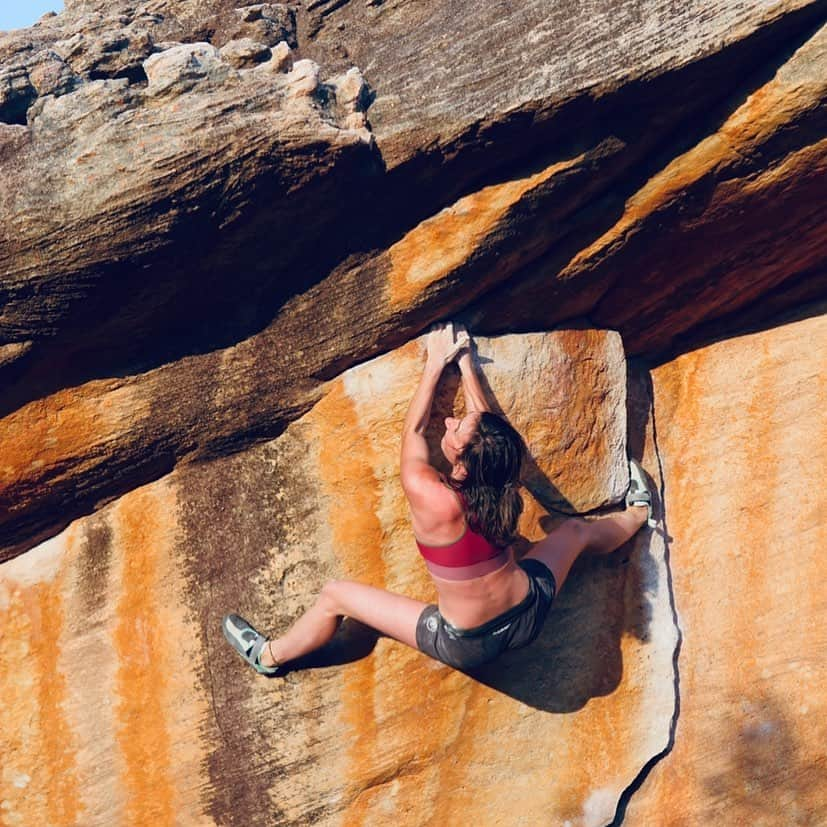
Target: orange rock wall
{"points": [[742, 432], [100, 724], [124, 705], [121, 703], [541, 207]]}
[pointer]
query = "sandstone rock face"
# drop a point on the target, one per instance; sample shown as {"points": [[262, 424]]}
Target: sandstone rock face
{"points": [[223, 225], [111, 631], [744, 468]]}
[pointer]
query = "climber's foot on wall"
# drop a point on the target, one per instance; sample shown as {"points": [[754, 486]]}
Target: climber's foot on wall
{"points": [[247, 642], [639, 494]]}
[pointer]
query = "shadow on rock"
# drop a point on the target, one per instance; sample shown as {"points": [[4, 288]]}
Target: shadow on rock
{"points": [[352, 641], [578, 656]]}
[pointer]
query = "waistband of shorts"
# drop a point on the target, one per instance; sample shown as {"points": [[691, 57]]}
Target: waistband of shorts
{"points": [[490, 625]]}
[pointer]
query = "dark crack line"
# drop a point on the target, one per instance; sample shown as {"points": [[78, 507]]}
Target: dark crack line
{"points": [[626, 795]]}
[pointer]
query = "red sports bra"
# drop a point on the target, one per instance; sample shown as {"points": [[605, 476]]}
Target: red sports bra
{"points": [[469, 556]]}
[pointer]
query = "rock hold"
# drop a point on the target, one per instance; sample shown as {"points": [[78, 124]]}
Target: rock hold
{"points": [[351, 93], [303, 78], [281, 59], [244, 53], [182, 67]]}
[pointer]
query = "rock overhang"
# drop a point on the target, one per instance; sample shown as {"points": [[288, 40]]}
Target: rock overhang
{"points": [[512, 243]]}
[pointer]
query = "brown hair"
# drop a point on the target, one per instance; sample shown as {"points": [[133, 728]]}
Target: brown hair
{"points": [[493, 458]]}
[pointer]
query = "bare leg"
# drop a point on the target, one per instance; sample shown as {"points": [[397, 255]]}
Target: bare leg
{"points": [[568, 541], [391, 614], [610, 533]]}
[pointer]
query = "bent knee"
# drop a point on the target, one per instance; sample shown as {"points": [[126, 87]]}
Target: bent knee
{"points": [[328, 597], [332, 595]]}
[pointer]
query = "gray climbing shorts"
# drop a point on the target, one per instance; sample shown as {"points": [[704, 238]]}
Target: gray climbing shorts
{"points": [[466, 648]]}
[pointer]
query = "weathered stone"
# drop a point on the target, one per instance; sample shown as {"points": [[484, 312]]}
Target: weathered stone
{"points": [[12, 138], [124, 153], [268, 23], [421, 58], [705, 236], [521, 204], [351, 90], [96, 624], [51, 75], [179, 69], [110, 54], [13, 351], [280, 58], [16, 94], [742, 437], [256, 11], [304, 78], [244, 53], [351, 93]]}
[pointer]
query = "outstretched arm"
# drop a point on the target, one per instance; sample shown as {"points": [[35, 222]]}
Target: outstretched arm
{"points": [[415, 467], [471, 386]]}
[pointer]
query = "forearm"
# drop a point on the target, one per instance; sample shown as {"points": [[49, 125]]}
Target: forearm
{"points": [[475, 399], [419, 411]]}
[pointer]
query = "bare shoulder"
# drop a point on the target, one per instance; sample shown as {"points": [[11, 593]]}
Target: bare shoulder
{"points": [[431, 499]]}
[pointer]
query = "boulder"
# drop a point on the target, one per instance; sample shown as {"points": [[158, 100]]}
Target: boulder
{"points": [[245, 52], [222, 228], [111, 630]]}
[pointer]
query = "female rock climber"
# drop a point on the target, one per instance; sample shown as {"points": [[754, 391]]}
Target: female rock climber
{"points": [[463, 525]]}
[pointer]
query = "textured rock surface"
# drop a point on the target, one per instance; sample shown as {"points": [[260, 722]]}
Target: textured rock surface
{"points": [[566, 178], [743, 462], [145, 715], [210, 214]]}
